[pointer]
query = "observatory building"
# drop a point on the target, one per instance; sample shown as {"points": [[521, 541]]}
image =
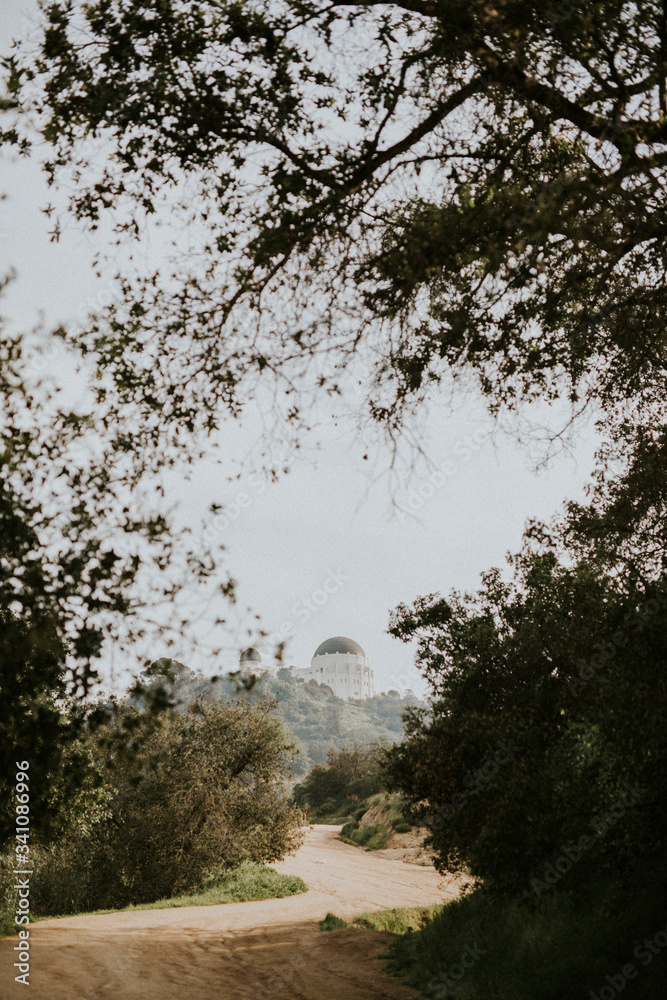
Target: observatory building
{"points": [[251, 659], [342, 664]]}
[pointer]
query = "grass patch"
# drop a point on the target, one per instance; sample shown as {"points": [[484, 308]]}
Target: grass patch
{"points": [[247, 882], [250, 881], [332, 923], [515, 948], [373, 838], [398, 920]]}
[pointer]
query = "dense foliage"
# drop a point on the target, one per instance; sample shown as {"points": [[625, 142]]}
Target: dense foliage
{"points": [[179, 797], [438, 188], [543, 751], [353, 772], [598, 944]]}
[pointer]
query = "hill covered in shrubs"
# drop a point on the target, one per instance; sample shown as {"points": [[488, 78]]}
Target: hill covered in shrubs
{"points": [[317, 719]]}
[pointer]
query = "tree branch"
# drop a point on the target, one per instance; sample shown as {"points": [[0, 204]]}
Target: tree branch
{"points": [[532, 89]]}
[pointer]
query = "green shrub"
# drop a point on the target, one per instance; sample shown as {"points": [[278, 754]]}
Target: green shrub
{"points": [[201, 795], [352, 772], [338, 810], [401, 825], [367, 785], [332, 923], [517, 948], [373, 838], [398, 920]]}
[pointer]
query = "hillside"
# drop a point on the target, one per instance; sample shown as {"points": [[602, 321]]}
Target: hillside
{"points": [[318, 720]]}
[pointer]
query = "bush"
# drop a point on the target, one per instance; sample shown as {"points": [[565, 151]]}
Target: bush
{"points": [[354, 772], [534, 738], [515, 948], [203, 794], [332, 923], [373, 838], [398, 920], [401, 825]]}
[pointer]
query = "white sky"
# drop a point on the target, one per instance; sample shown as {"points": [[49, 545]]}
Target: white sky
{"points": [[330, 524]]}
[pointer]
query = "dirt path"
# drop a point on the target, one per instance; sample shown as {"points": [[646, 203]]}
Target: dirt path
{"points": [[270, 949]]}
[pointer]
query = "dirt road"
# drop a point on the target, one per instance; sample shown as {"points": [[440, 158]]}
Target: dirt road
{"points": [[239, 951]]}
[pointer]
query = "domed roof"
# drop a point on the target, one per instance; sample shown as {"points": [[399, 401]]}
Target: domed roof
{"points": [[339, 644], [250, 655]]}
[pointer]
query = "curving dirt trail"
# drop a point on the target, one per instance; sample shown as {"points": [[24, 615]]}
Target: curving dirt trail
{"points": [[238, 951]]}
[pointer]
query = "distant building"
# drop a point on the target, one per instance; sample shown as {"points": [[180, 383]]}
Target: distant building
{"points": [[342, 664], [251, 659]]}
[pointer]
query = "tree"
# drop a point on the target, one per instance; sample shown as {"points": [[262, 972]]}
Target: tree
{"points": [[198, 792], [86, 551], [353, 771], [544, 726], [85, 556], [451, 187]]}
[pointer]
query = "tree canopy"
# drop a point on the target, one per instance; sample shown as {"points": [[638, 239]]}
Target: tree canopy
{"points": [[548, 692], [442, 186]]}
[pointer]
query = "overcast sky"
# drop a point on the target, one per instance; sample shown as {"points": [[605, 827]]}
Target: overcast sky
{"points": [[332, 547]]}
